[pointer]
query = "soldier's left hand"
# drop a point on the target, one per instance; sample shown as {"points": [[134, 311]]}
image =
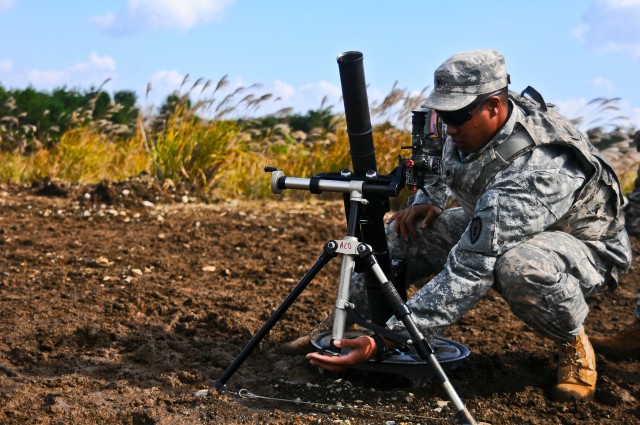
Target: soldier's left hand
{"points": [[406, 219], [362, 348]]}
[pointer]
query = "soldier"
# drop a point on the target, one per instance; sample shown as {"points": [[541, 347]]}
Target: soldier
{"points": [[632, 209], [540, 220], [627, 342]]}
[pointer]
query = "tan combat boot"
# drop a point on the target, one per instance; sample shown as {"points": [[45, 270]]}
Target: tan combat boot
{"points": [[576, 369], [626, 343]]}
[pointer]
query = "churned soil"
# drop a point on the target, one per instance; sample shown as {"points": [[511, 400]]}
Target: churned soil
{"points": [[119, 301]]}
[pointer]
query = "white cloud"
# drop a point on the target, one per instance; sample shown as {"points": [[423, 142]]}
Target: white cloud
{"points": [[161, 84], [6, 65], [283, 90], [303, 98], [91, 73], [171, 79], [96, 62], [164, 82], [611, 26], [6, 4], [603, 82], [161, 14]]}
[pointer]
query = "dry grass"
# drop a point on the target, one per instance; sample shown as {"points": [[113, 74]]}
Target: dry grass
{"points": [[82, 156], [198, 139]]}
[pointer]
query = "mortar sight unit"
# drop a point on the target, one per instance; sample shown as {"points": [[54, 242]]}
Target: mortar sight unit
{"points": [[427, 142]]}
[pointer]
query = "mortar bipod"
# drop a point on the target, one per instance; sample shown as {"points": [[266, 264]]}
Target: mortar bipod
{"points": [[349, 247]]}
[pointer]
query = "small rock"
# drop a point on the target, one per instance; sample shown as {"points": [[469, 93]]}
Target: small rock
{"points": [[102, 262], [209, 269], [202, 393], [442, 403]]}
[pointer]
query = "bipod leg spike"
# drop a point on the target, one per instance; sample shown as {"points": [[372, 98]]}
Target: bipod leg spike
{"points": [[328, 252], [421, 344]]}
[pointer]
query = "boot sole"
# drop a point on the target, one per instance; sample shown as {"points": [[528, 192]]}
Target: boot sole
{"points": [[562, 396]]}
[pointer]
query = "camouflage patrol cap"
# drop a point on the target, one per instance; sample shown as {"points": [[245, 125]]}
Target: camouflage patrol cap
{"points": [[465, 76]]}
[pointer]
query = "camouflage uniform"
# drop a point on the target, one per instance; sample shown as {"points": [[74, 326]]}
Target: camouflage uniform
{"points": [[632, 213], [632, 209], [545, 230]]}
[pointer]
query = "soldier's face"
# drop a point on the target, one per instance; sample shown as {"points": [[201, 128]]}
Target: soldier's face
{"points": [[471, 135]]}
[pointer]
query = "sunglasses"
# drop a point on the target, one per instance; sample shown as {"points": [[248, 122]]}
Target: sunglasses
{"points": [[461, 116]]}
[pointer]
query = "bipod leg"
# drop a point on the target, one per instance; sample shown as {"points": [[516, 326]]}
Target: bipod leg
{"points": [[328, 252], [421, 344]]}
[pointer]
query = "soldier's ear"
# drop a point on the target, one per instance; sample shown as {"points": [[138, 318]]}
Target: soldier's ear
{"points": [[494, 104]]}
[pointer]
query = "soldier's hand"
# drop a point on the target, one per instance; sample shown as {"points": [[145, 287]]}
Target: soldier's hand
{"points": [[362, 349], [406, 218]]}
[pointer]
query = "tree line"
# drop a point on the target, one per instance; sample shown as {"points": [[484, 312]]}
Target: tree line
{"points": [[30, 118]]}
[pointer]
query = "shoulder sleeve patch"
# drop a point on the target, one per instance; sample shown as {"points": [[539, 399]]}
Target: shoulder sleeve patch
{"points": [[481, 234], [476, 229]]}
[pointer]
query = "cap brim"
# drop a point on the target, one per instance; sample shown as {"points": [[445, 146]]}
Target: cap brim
{"points": [[448, 101]]}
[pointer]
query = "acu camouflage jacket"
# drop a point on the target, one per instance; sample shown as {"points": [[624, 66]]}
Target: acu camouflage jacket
{"points": [[555, 181]]}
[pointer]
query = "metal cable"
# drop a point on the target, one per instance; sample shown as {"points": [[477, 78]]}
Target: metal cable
{"points": [[248, 395]]}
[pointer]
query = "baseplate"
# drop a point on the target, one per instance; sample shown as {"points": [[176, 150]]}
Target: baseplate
{"points": [[406, 363]]}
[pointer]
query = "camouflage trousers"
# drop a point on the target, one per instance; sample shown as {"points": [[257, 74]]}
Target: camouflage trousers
{"points": [[544, 280], [632, 212], [632, 224]]}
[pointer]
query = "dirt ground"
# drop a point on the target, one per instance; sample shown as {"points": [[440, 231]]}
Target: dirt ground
{"points": [[119, 301]]}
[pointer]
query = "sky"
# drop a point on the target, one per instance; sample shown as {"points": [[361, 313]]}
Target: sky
{"points": [[571, 51]]}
